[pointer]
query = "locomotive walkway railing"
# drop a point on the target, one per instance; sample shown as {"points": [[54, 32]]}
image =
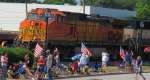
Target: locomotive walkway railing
{"points": [[78, 43]]}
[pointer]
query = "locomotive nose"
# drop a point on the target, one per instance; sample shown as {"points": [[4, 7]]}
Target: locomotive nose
{"points": [[34, 23], [37, 24], [40, 24]]}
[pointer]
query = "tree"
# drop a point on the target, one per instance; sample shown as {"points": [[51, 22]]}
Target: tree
{"points": [[53, 2], [18, 1], [122, 4], [143, 9], [70, 2], [125, 4], [60, 2]]}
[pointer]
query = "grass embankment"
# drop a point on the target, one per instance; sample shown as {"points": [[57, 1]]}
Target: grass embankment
{"points": [[16, 54]]}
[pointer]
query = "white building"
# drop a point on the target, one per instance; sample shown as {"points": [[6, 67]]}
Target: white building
{"points": [[11, 14]]}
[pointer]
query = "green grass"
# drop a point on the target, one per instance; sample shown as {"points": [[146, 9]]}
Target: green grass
{"points": [[16, 54]]}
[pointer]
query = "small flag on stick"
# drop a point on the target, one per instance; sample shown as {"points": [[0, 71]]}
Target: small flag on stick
{"points": [[38, 50], [122, 53], [147, 49], [85, 50]]}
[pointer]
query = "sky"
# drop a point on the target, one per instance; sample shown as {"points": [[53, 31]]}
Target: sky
{"points": [[78, 2], [40, 0]]}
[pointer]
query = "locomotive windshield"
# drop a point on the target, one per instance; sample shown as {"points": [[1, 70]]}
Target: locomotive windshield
{"points": [[32, 16], [43, 17]]}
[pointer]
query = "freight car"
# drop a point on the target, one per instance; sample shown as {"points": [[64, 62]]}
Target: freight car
{"points": [[66, 28]]}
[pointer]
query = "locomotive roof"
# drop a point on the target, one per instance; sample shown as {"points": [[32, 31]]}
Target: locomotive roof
{"points": [[123, 22]]}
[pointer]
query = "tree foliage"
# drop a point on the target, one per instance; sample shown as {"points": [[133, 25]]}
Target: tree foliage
{"points": [[60, 2], [70, 2], [18, 1], [16, 54], [143, 8], [46, 1], [123, 4]]}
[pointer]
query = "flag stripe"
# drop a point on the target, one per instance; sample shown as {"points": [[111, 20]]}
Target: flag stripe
{"points": [[85, 50], [122, 53], [38, 50], [147, 49]]}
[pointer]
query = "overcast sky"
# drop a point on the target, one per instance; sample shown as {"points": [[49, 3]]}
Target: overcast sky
{"points": [[41, 0], [78, 2]]}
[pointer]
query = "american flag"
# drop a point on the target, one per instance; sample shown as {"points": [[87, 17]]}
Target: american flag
{"points": [[85, 50], [147, 49], [122, 53], [38, 50]]}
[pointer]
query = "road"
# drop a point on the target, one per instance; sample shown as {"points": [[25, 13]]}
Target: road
{"points": [[109, 77]]}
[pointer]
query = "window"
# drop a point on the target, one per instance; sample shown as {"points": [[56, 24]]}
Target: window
{"points": [[32, 16], [50, 17], [43, 17]]}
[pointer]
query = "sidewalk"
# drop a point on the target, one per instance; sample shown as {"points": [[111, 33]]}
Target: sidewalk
{"points": [[108, 77], [111, 71], [87, 75]]}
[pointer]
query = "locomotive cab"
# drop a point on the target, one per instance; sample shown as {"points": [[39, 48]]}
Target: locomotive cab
{"points": [[33, 28]]}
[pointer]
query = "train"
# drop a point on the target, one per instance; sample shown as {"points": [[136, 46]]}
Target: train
{"points": [[67, 28]]}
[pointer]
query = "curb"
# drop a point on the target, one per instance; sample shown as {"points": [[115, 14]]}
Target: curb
{"points": [[89, 75]]}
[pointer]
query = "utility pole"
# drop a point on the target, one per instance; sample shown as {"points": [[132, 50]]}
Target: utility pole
{"points": [[46, 42], [26, 6], [84, 6], [140, 37], [46, 31]]}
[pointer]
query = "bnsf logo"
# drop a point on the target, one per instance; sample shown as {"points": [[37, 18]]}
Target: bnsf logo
{"points": [[31, 33], [33, 30]]}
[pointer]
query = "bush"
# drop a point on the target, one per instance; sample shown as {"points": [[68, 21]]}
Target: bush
{"points": [[16, 54]]}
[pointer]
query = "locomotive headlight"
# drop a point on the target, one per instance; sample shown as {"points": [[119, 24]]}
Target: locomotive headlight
{"points": [[32, 23]]}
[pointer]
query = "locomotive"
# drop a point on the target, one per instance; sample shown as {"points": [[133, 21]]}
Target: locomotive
{"points": [[56, 27]]}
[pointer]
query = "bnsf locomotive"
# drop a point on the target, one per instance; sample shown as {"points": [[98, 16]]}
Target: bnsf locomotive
{"points": [[66, 28]]}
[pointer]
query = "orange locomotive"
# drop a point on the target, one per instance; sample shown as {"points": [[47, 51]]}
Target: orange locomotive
{"points": [[59, 26]]}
